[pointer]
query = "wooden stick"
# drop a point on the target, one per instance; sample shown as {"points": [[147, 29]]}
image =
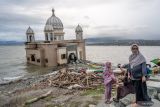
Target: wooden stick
{"points": [[38, 98]]}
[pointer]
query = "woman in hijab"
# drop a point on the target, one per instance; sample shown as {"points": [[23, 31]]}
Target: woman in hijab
{"points": [[138, 74]]}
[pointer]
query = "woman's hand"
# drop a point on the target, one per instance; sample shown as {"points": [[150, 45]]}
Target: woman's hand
{"points": [[129, 77], [143, 79]]}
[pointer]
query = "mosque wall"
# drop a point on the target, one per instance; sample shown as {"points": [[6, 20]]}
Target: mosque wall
{"points": [[61, 55], [54, 50], [50, 54], [33, 56]]}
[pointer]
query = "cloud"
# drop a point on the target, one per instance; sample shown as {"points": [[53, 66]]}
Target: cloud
{"points": [[129, 18]]}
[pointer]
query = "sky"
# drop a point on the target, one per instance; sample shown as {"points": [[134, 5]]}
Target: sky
{"points": [[133, 19]]}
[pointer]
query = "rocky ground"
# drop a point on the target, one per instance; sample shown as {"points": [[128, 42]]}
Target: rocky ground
{"points": [[19, 94], [52, 90], [37, 91]]}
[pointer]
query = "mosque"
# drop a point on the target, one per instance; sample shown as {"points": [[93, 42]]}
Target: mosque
{"points": [[54, 50]]}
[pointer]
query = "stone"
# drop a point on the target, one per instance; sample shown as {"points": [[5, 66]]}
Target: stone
{"points": [[91, 105], [156, 104], [154, 84], [159, 96], [155, 78], [127, 100], [152, 92]]}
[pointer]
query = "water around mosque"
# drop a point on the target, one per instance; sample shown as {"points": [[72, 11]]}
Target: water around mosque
{"points": [[13, 62]]}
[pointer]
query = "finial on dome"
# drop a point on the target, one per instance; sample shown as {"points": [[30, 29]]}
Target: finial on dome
{"points": [[53, 12]]}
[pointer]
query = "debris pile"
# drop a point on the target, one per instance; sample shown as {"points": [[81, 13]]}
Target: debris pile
{"points": [[68, 78]]}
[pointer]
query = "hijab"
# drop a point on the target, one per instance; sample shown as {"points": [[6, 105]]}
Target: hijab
{"points": [[107, 67], [136, 58]]}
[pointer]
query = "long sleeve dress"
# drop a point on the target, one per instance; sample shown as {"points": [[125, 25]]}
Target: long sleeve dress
{"points": [[140, 87]]}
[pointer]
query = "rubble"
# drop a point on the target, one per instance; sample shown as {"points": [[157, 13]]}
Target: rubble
{"points": [[68, 78]]}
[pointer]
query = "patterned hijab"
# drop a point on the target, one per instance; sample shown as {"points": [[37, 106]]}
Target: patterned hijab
{"points": [[136, 59]]}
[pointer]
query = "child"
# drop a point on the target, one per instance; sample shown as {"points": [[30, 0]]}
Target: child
{"points": [[109, 79]]}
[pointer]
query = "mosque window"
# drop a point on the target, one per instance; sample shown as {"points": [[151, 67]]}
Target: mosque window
{"points": [[38, 60], [63, 56], [33, 58], [30, 38], [28, 58], [46, 60], [55, 38], [51, 37], [46, 36]]}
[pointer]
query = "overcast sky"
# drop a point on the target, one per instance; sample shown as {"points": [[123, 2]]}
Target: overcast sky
{"points": [[138, 19]]}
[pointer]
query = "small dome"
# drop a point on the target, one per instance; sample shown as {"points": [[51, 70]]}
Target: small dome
{"points": [[29, 30], [48, 28], [78, 29], [54, 21]]}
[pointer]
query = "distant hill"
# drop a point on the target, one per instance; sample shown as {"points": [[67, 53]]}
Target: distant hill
{"points": [[11, 42], [102, 41], [121, 42]]}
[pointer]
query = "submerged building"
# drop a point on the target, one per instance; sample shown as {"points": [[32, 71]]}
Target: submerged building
{"points": [[54, 50]]}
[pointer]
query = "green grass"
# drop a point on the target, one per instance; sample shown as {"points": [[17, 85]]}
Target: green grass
{"points": [[74, 104], [90, 102], [53, 105], [94, 92], [49, 98]]}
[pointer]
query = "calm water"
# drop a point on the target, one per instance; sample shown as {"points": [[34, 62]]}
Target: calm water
{"points": [[13, 63]]}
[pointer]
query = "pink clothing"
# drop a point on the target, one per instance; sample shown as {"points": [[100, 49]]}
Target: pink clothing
{"points": [[108, 74], [109, 79], [108, 90]]}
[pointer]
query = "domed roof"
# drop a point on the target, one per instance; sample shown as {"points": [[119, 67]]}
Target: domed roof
{"points": [[54, 21], [29, 30], [78, 29], [48, 28]]}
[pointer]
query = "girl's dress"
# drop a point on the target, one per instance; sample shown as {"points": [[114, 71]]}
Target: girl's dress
{"points": [[109, 79]]}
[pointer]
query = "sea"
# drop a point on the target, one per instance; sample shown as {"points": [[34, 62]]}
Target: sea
{"points": [[13, 61]]}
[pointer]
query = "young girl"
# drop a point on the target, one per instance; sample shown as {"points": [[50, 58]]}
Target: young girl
{"points": [[109, 79]]}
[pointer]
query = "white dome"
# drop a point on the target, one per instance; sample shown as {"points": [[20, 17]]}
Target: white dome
{"points": [[48, 28], [29, 30], [54, 21], [78, 29]]}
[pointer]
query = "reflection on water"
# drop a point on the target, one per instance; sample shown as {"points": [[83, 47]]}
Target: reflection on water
{"points": [[13, 61]]}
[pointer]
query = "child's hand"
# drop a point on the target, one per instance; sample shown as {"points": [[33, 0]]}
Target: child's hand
{"points": [[120, 84]]}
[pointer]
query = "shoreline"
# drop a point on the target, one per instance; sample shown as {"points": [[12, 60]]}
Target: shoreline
{"points": [[29, 88], [41, 91]]}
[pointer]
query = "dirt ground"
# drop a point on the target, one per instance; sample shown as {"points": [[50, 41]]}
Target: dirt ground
{"points": [[21, 93]]}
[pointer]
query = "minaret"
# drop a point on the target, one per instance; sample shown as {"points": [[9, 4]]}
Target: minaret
{"points": [[79, 32], [30, 35]]}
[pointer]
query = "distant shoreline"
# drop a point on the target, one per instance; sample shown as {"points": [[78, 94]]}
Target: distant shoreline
{"points": [[115, 45], [86, 45], [11, 44]]}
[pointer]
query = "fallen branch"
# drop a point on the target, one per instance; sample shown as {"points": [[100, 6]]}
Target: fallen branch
{"points": [[38, 98]]}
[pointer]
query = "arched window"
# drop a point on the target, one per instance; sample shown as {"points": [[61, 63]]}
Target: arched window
{"points": [[33, 58], [30, 38], [51, 36], [46, 36]]}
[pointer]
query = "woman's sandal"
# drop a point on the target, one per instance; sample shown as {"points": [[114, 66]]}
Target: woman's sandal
{"points": [[115, 100], [108, 102]]}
